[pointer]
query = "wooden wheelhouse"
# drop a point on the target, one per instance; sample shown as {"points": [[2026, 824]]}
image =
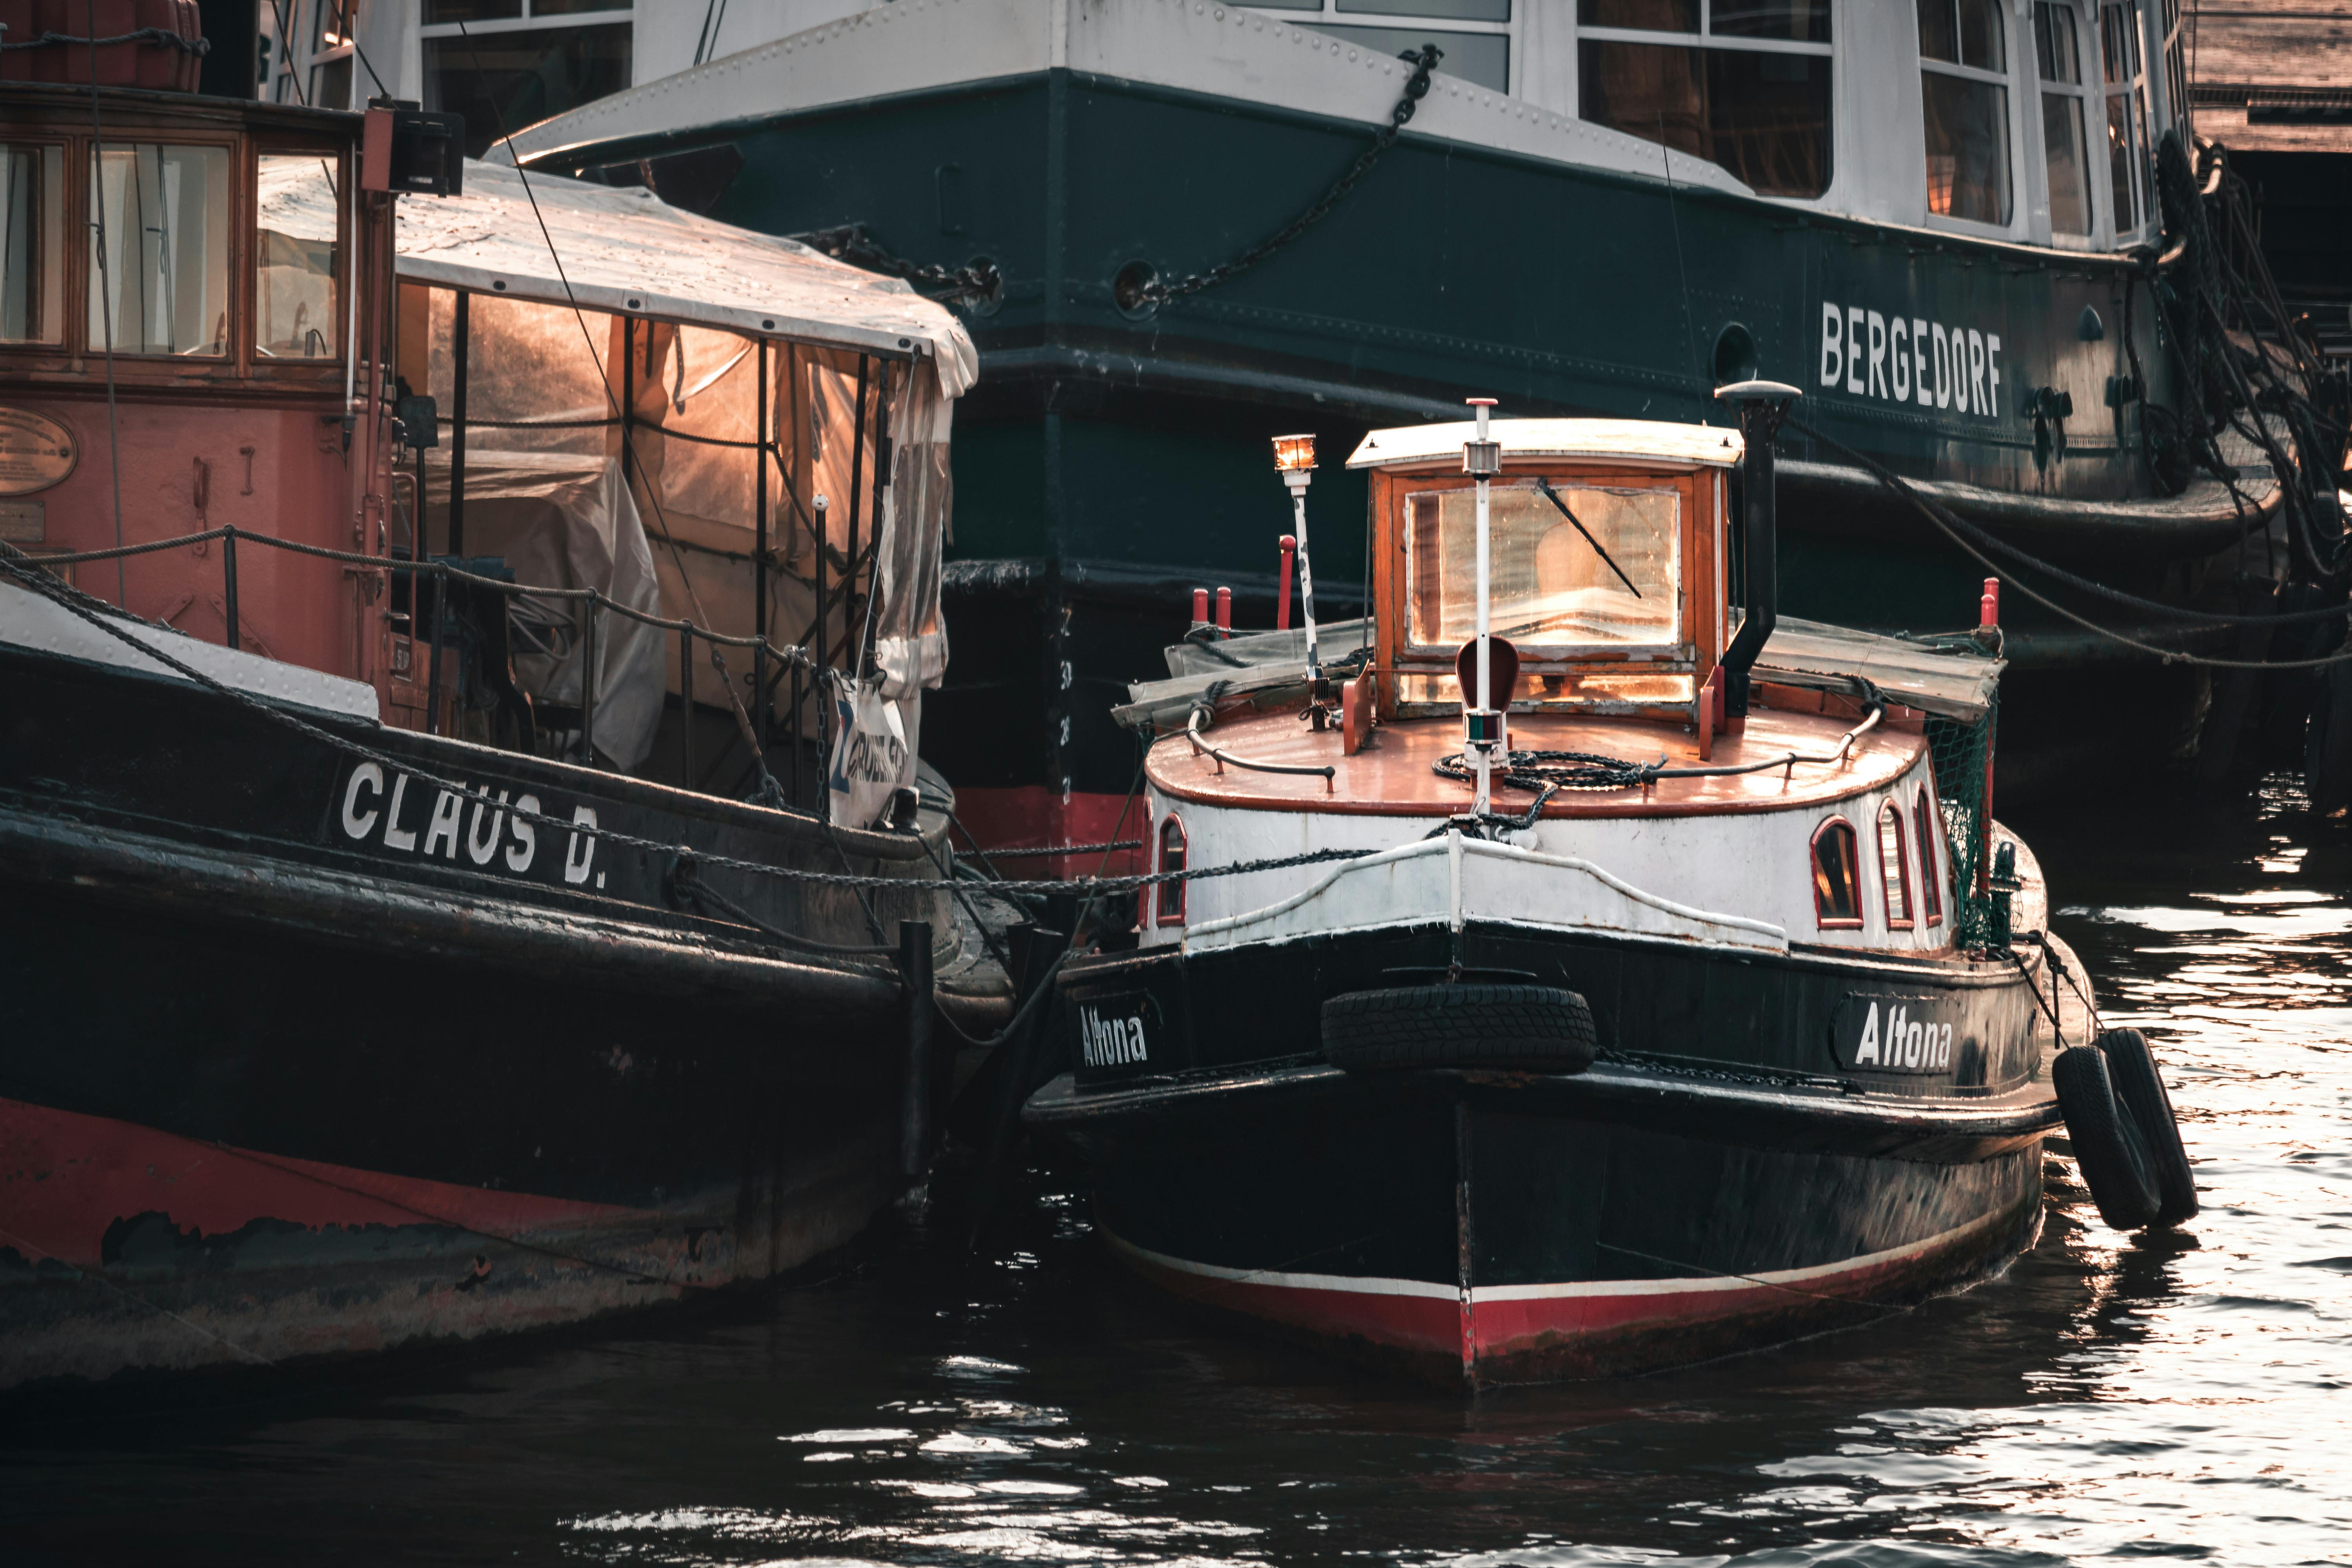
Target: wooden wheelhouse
{"points": [[1608, 541]]}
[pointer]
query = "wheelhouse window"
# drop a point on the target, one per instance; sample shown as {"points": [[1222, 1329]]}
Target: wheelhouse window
{"points": [[1474, 34], [1931, 870], [1741, 83], [32, 243], [159, 278], [298, 240], [2065, 147], [1837, 880], [515, 63], [2126, 88], [1894, 866], [1555, 587], [1172, 858], [1964, 108]]}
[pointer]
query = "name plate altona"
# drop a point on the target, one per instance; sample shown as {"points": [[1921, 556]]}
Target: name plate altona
{"points": [[1897, 1033]]}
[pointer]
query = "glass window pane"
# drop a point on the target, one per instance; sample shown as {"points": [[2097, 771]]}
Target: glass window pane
{"points": [[298, 232], [2065, 154], [1655, 15], [1764, 117], [1451, 10], [1768, 120], [1895, 873], [1984, 36], [2057, 53], [1967, 147], [1548, 585], [159, 250], [566, 7], [1939, 33], [1931, 871], [1481, 57], [2119, 41], [524, 76], [470, 10], [1837, 888], [2121, 162], [1799, 21], [330, 83], [32, 244]]}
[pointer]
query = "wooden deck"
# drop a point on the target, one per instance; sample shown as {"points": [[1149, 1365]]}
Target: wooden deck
{"points": [[1393, 777]]}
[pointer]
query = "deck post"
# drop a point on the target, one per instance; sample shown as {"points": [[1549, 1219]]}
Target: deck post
{"points": [[459, 355], [228, 579]]}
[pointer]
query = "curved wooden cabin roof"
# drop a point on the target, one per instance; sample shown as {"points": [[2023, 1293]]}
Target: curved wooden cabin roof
{"points": [[1393, 777]]}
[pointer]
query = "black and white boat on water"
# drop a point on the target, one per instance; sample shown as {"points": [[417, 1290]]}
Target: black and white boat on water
{"points": [[399, 944], [1705, 1007]]}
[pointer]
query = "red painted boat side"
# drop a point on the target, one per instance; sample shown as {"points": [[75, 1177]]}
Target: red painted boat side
{"points": [[66, 1179], [1588, 1328]]}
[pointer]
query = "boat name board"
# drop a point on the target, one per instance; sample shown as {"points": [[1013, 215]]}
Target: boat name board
{"points": [[1895, 1034], [1111, 1032], [1909, 359], [407, 819]]}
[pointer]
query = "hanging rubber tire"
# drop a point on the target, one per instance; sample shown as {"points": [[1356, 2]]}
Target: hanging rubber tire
{"points": [[2108, 1150], [2140, 1088], [1522, 1029]]}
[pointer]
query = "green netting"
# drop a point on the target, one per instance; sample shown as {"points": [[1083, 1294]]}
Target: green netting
{"points": [[1960, 751]]}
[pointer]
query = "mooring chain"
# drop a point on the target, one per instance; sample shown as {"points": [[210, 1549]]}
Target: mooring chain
{"points": [[851, 243], [1423, 60]]}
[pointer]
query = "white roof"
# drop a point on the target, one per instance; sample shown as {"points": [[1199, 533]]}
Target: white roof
{"points": [[629, 252], [1608, 440]]}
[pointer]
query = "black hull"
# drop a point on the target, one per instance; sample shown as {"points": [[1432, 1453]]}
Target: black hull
{"points": [[1486, 1227], [269, 1092]]}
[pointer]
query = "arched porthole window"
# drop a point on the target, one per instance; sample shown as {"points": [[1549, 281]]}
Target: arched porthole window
{"points": [[1837, 880], [1894, 866], [1172, 858], [1931, 865]]}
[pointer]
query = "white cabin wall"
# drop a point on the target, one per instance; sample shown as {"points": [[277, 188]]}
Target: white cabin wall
{"points": [[1881, 169], [666, 31]]}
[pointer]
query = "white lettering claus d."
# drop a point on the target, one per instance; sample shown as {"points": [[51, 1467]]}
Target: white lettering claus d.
{"points": [[579, 849], [394, 835], [448, 807], [526, 839], [480, 844], [357, 824]]}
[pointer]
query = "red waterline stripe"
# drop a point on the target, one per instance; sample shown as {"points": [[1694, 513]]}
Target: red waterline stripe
{"points": [[65, 1178]]}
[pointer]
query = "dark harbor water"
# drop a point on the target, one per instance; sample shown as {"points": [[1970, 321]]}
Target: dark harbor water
{"points": [[2182, 1397]]}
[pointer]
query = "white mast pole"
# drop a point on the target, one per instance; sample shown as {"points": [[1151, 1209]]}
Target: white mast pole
{"points": [[1484, 753], [1305, 571]]}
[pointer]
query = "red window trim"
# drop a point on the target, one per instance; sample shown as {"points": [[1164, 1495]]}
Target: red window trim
{"points": [[1892, 811], [1812, 859], [1170, 905], [1931, 870]]}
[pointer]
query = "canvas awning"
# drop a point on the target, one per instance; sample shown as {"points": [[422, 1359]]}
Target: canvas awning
{"points": [[628, 252], [1951, 682]]}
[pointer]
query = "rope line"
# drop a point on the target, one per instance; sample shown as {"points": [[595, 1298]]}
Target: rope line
{"points": [[69, 598]]}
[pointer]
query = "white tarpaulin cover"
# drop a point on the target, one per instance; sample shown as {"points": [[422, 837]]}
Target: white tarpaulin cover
{"points": [[673, 317], [629, 251], [563, 521]]}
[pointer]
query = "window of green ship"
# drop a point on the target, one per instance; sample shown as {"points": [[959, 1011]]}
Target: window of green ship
{"points": [[1744, 84], [2065, 156], [1964, 105]]}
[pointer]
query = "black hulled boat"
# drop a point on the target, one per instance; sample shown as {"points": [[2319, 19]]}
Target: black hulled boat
{"points": [[399, 946], [1683, 1017]]}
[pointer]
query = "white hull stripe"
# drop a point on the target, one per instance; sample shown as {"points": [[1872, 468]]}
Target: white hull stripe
{"points": [[1359, 1286]]}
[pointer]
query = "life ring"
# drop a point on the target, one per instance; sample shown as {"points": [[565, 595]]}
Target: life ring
{"points": [[1522, 1029], [2140, 1088], [2108, 1148]]}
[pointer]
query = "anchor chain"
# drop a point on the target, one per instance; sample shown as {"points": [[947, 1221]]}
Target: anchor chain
{"points": [[1423, 60], [978, 280]]}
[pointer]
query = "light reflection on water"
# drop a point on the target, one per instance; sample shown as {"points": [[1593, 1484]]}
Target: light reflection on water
{"points": [[2178, 1397]]}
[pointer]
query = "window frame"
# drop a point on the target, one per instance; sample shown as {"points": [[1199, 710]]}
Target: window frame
{"points": [[1932, 872], [1327, 11], [234, 360], [260, 146], [2092, 105], [1167, 905], [2140, 158], [72, 283], [1890, 810], [2007, 79], [1823, 920]]}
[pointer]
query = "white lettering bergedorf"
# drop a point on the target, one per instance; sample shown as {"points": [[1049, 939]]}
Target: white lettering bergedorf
{"points": [[1909, 359]]}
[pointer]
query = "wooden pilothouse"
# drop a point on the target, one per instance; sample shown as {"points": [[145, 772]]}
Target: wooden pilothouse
{"points": [[1607, 973]]}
